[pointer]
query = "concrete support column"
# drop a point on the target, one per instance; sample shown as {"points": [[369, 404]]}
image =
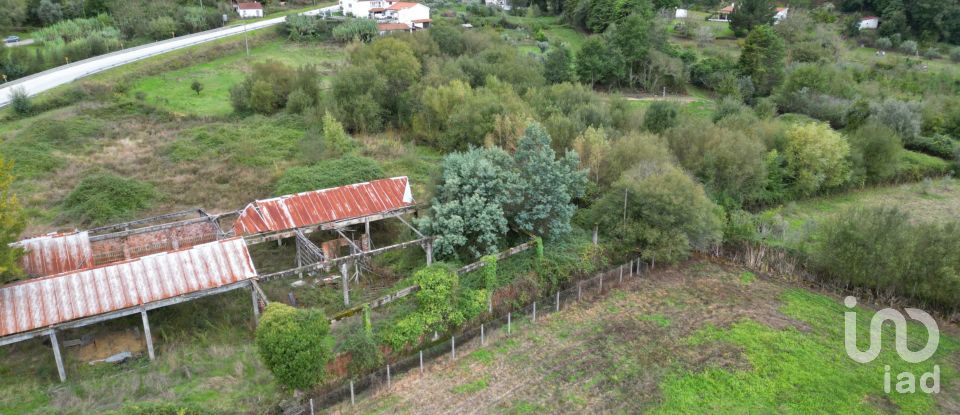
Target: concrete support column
{"points": [[345, 277], [146, 333], [56, 355], [428, 246], [256, 305]]}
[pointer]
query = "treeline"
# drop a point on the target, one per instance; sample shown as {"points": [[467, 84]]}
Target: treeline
{"points": [[924, 20]]}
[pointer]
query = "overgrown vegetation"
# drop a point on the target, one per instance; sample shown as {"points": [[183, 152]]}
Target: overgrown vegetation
{"points": [[295, 344], [103, 198]]}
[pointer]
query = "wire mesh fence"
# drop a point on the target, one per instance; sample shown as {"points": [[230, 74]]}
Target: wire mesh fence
{"points": [[505, 321]]}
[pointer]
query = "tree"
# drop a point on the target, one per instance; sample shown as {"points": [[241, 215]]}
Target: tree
{"points": [[196, 86], [548, 185], [14, 13], [749, 14], [593, 148], [660, 116], [20, 102], [596, 62], [762, 59], [48, 12], [557, 67], [162, 27], [468, 213], [295, 344], [336, 141], [630, 37], [875, 150], [902, 117], [667, 212], [816, 158], [12, 222]]}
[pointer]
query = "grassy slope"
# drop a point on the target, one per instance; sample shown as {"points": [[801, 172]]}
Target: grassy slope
{"points": [[699, 339], [171, 90]]}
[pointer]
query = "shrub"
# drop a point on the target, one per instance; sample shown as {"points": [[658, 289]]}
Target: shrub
{"points": [[660, 116], [909, 47], [298, 101], [104, 197], [765, 108], [295, 344], [20, 102], [932, 53], [875, 150], [881, 250], [816, 158], [903, 117], [955, 54], [162, 409], [196, 86], [727, 107], [363, 30], [938, 145], [329, 173], [884, 43], [364, 352]]}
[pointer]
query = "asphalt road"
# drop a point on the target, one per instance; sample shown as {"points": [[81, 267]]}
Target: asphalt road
{"points": [[51, 78]]}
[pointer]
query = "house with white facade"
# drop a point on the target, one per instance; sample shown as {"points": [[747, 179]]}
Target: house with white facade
{"points": [[249, 10], [503, 4], [869, 22], [414, 15], [780, 15], [389, 13]]}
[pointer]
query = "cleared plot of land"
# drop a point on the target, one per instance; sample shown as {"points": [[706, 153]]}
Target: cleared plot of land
{"points": [[171, 90], [698, 339]]}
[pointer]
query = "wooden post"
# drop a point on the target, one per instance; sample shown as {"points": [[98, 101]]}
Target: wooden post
{"points": [[345, 278], [56, 355], [621, 274], [534, 311], [453, 347], [508, 323], [595, 231], [421, 362], [388, 375], [558, 301], [352, 401], [146, 333], [366, 231], [256, 306], [579, 290], [481, 335]]}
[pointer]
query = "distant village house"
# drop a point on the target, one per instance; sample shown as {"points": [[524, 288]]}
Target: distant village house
{"points": [[869, 22], [249, 9], [391, 15]]}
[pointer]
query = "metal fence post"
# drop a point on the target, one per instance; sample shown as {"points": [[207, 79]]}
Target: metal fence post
{"points": [[621, 274], [481, 335], [534, 311], [558, 300], [388, 376], [421, 362], [579, 289], [352, 400], [453, 347], [311, 406], [508, 323]]}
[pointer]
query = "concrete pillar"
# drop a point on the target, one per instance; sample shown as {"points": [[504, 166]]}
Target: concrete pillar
{"points": [[429, 248], [256, 305], [56, 355], [345, 278], [146, 333], [366, 231]]}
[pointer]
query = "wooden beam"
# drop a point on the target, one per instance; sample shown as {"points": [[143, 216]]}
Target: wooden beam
{"points": [[333, 262], [126, 225], [56, 355], [411, 227], [146, 333], [256, 306]]}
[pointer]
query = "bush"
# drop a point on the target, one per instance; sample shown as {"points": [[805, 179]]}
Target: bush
{"points": [[903, 117], [915, 166], [938, 145], [20, 102], [884, 43], [364, 352], [363, 30], [932, 53], [909, 47], [102, 198], [329, 173], [881, 250], [955, 54], [816, 158], [875, 150], [298, 101], [295, 344], [660, 116], [161, 409]]}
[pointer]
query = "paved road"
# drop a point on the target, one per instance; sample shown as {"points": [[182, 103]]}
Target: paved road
{"points": [[51, 78]]}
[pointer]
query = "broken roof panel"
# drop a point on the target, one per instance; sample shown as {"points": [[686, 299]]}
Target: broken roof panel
{"points": [[43, 302], [324, 206], [55, 253]]}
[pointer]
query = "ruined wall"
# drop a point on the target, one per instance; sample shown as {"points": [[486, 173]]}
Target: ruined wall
{"points": [[151, 242]]}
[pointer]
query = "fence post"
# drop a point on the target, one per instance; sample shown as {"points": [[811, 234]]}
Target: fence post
{"points": [[534, 311], [490, 303], [508, 323], [621, 274], [481, 335], [558, 300], [579, 289], [601, 284], [632, 263], [311, 406], [388, 376], [352, 400], [421, 362]]}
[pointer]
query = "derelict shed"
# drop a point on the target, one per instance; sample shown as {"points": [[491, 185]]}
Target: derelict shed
{"points": [[332, 209], [42, 306], [56, 253]]}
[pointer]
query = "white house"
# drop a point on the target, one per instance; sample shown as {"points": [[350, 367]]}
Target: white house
{"points": [[780, 15], [723, 15], [248, 10], [413, 14], [869, 22], [680, 14]]}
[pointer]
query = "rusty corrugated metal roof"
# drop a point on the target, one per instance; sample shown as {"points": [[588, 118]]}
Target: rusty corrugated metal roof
{"points": [[42, 302], [56, 253], [323, 206]]}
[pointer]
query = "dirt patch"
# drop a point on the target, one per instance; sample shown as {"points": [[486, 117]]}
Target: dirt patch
{"points": [[106, 344]]}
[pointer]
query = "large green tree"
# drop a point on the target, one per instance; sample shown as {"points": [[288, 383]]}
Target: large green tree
{"points": [[558, 66], [749, 14], [762, 59], [14, 13], [817, 158]]}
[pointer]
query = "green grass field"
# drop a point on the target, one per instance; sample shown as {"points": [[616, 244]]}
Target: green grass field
{"points": [[171, 90], [700, 338]]}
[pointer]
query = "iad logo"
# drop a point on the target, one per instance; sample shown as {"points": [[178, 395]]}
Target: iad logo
{"points": [[906, 381]]}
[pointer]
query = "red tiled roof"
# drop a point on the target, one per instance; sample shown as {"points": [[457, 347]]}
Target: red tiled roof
{"points": [[250, 6], [401, 5], [390, 27], [781, 9], [43, 302], [327, 205], [728, 9]]}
